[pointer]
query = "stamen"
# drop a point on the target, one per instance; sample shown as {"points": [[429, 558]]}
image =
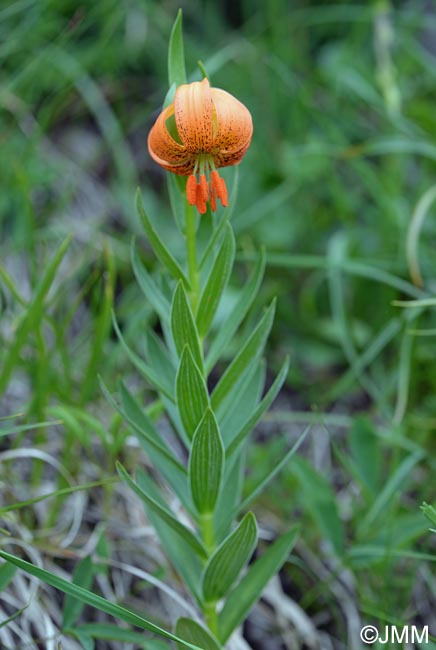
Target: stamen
{"points": [[223, 195], [219, 185], [204, 188], [191, 190], [212, 198]]}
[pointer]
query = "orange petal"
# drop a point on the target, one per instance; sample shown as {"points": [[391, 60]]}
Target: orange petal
{"points": [[226, 158], [162, 146], [193, 111], [234, 127]]}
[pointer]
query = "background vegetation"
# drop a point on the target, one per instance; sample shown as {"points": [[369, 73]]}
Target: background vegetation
{"points": [[339, 186]]}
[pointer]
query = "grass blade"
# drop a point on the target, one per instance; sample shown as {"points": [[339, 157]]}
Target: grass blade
{"points": [[94, 600]]}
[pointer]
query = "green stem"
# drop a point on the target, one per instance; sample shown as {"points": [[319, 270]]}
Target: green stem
{"points": [[207, 534], [211, 617], [191, 250], [206, 527]]}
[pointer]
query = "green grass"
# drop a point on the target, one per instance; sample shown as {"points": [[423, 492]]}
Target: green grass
{"points": [[338, 186]]}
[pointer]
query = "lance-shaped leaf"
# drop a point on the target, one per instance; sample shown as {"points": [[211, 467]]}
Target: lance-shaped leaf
{"points": [[229, 559], [163, 513], [157, 244], [259, 410], [245, 300], [251, 351], [206, 464], [183, 326], [148, 286], [186, 563], [216, 282], [148, 437], [250, 588], [191, 393], [145, 370], [156, 448], [94, 600], [263, 482], [176, 54], [195, 633]]}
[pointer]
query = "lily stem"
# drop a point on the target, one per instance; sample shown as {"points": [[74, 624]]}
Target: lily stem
{"points": [[191, 251], [211, 617], [206, 527]]}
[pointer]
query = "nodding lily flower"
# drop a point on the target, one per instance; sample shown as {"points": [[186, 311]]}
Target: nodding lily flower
{"points": [[202, 130]]}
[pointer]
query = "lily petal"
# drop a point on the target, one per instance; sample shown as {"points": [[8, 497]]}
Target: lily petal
{"points": [[162, 146], [193, 111], [234, 126]]}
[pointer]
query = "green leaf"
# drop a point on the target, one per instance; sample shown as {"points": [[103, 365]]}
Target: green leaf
{"points": [[187, 564], [173, 471], [183, 326], [191, 392], [33, 315], [318, 498], [159, 358], [148, 286], [206, 464], [145, 370], [392, 489], [82, 576], [177, 193], [162, 457], [7, 572], [195, 633], [230, 496], [366, 453], [92, 599], [111, 632], [273, 473], [176, 54], [248, 380], [220, 228], [240, 409], [86, 641], [250, 352], [216, 282], [263, 406], [245, 300], [249, 589], [157, 244], [229, 559], [163, 513]]}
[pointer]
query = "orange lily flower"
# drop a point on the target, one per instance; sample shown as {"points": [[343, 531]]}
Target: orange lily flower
{"points": [[203, 129]]}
